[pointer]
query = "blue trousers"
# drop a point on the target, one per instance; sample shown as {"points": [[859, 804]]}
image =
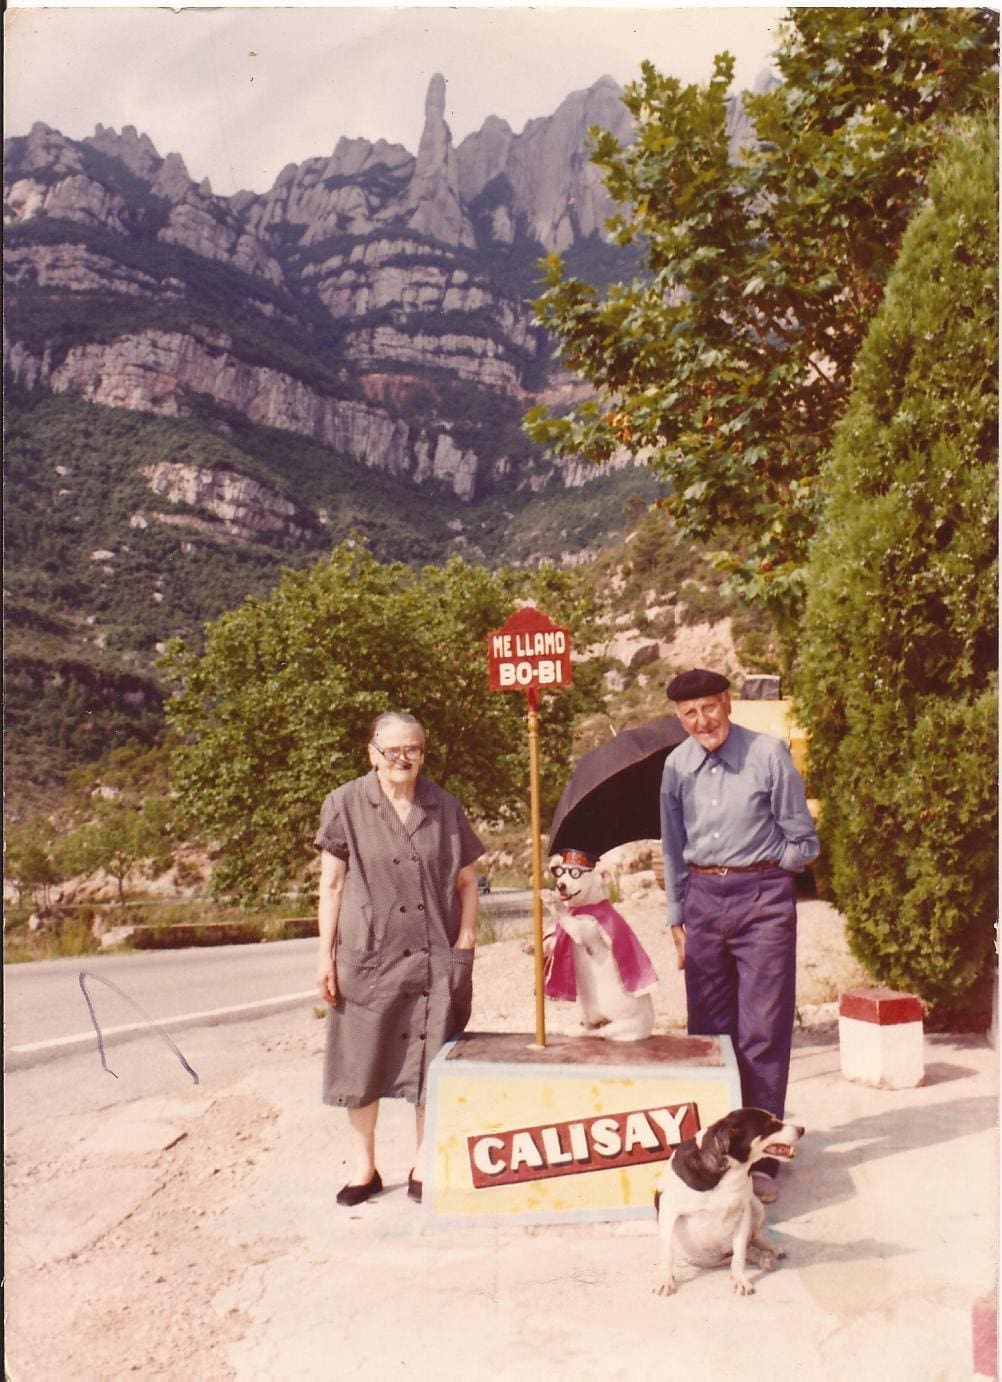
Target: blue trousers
{"points": [[741, 974]]}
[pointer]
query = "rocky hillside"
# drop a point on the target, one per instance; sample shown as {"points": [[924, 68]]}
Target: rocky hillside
{"points": [[373, 301], [204, 389]]}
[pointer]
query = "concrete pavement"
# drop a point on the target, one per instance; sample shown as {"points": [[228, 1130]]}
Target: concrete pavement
{"points": [[195, 1233], [889, 1218]]}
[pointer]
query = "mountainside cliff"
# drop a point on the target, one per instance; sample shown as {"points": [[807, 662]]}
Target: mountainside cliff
{"points": [[373, 301], [130, 285], [204, 389]]}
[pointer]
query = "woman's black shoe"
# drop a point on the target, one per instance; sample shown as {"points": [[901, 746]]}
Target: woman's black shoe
{"points": [[358, 1194], [414, 1187]]}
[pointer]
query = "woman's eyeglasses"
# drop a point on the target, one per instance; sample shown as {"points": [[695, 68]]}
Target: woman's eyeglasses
{"points": [[559, 870], [410, 752]]}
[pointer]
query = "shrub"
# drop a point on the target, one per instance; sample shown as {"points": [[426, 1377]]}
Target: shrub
{"points": [[66, 936], [898, 684]]}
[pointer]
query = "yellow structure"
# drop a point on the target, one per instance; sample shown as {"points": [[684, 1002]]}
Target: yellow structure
{"points": [[776, 718], [578, 1130]]}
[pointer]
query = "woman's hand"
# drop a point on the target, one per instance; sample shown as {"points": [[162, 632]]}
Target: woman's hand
{"points": [[326, 982], [466, 940]]}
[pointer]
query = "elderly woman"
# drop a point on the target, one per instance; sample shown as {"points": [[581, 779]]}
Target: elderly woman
{"points": [[398, 922]]}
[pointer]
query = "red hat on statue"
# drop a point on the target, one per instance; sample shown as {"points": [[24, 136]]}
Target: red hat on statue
{"points": [[579, 858]]}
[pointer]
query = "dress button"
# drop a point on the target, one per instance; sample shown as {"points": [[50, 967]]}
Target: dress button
{"points": [[424, 993], [403, 909], [406, 953], [423, 1035], [396, 861], [420, 906]]}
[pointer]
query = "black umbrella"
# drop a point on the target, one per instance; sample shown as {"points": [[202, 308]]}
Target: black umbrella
{"points": [[613, 794]]}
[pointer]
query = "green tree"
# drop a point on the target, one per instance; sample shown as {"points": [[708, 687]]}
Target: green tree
{"points": [[120, 835], [277, 710], [29, 862], [728, 362], [898, 686]]}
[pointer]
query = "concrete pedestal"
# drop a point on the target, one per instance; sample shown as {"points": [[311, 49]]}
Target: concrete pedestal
{"points": [[881, 1038], [577, 1130]]}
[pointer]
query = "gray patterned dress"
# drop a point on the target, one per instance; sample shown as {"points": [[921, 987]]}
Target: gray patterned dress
{"points": [[402, 990]]}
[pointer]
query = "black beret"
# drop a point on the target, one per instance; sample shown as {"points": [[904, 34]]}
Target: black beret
{"points": [[687, 686]]}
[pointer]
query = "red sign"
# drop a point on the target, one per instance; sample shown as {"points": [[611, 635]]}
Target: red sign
{"points": [[583, 1144], [529, 651]]}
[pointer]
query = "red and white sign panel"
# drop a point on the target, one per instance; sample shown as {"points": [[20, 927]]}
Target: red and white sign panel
{"points": [[529, 651], [579, 1145]]}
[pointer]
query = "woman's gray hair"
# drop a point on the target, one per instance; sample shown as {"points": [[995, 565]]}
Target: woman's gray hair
{"points": [[401, 715]]}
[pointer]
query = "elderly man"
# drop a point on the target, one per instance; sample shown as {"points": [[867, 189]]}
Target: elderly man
{"points": [[734, 829]]}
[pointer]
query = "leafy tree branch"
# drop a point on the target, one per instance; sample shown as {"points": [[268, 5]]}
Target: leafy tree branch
{"points": [[727, 364]]}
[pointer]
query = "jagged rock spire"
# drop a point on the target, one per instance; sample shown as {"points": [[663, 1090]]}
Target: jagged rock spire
{"points": [[432, 202]]}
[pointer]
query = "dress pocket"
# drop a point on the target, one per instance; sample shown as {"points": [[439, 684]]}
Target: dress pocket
{"points": [[357, 974]]}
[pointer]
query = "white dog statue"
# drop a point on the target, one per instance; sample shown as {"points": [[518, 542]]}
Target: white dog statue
{"points": [[594, 956]]}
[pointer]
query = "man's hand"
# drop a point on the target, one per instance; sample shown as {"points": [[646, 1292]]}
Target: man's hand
{"points": [[326, 982], [678, 936]]}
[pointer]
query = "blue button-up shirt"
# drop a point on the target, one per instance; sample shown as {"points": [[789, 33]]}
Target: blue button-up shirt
{"points": [[742, 804]]}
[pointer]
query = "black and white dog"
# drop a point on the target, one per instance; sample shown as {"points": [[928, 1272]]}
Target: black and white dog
{"points": [[707, 1210]]}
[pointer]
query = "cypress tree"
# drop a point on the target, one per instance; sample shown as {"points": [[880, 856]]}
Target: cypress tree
{"points": [[898, 682]]}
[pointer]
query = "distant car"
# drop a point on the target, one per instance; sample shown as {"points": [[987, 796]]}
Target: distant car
{"points": [[483, 883]]}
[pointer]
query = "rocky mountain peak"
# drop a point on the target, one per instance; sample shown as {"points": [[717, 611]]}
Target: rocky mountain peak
{"points": [[384, 310], [135, 150], [172, 181], [434, 101], [432, 203], [45, 149], [552, 190]]}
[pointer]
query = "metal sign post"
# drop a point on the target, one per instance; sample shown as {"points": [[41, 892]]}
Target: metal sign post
{"points": [[532, 706], [528, 653]]}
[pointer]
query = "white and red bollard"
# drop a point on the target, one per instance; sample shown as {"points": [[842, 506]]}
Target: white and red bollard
{"points": [[880, 1038], [985, 1336]]}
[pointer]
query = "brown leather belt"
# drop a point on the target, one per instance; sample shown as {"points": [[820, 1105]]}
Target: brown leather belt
{"points": [[733, 868]]}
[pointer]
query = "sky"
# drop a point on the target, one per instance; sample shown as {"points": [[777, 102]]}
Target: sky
{"points": [[241, 92]]}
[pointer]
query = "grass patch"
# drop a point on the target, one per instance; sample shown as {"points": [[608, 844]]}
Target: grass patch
{"points": [[73, 931]]}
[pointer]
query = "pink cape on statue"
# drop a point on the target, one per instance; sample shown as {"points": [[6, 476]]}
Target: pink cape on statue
{"points": [[635, 969]]}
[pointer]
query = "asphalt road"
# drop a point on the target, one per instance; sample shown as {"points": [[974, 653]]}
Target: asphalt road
{"points": [[45, 1092], [162, 1050], [43, 1000]]}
